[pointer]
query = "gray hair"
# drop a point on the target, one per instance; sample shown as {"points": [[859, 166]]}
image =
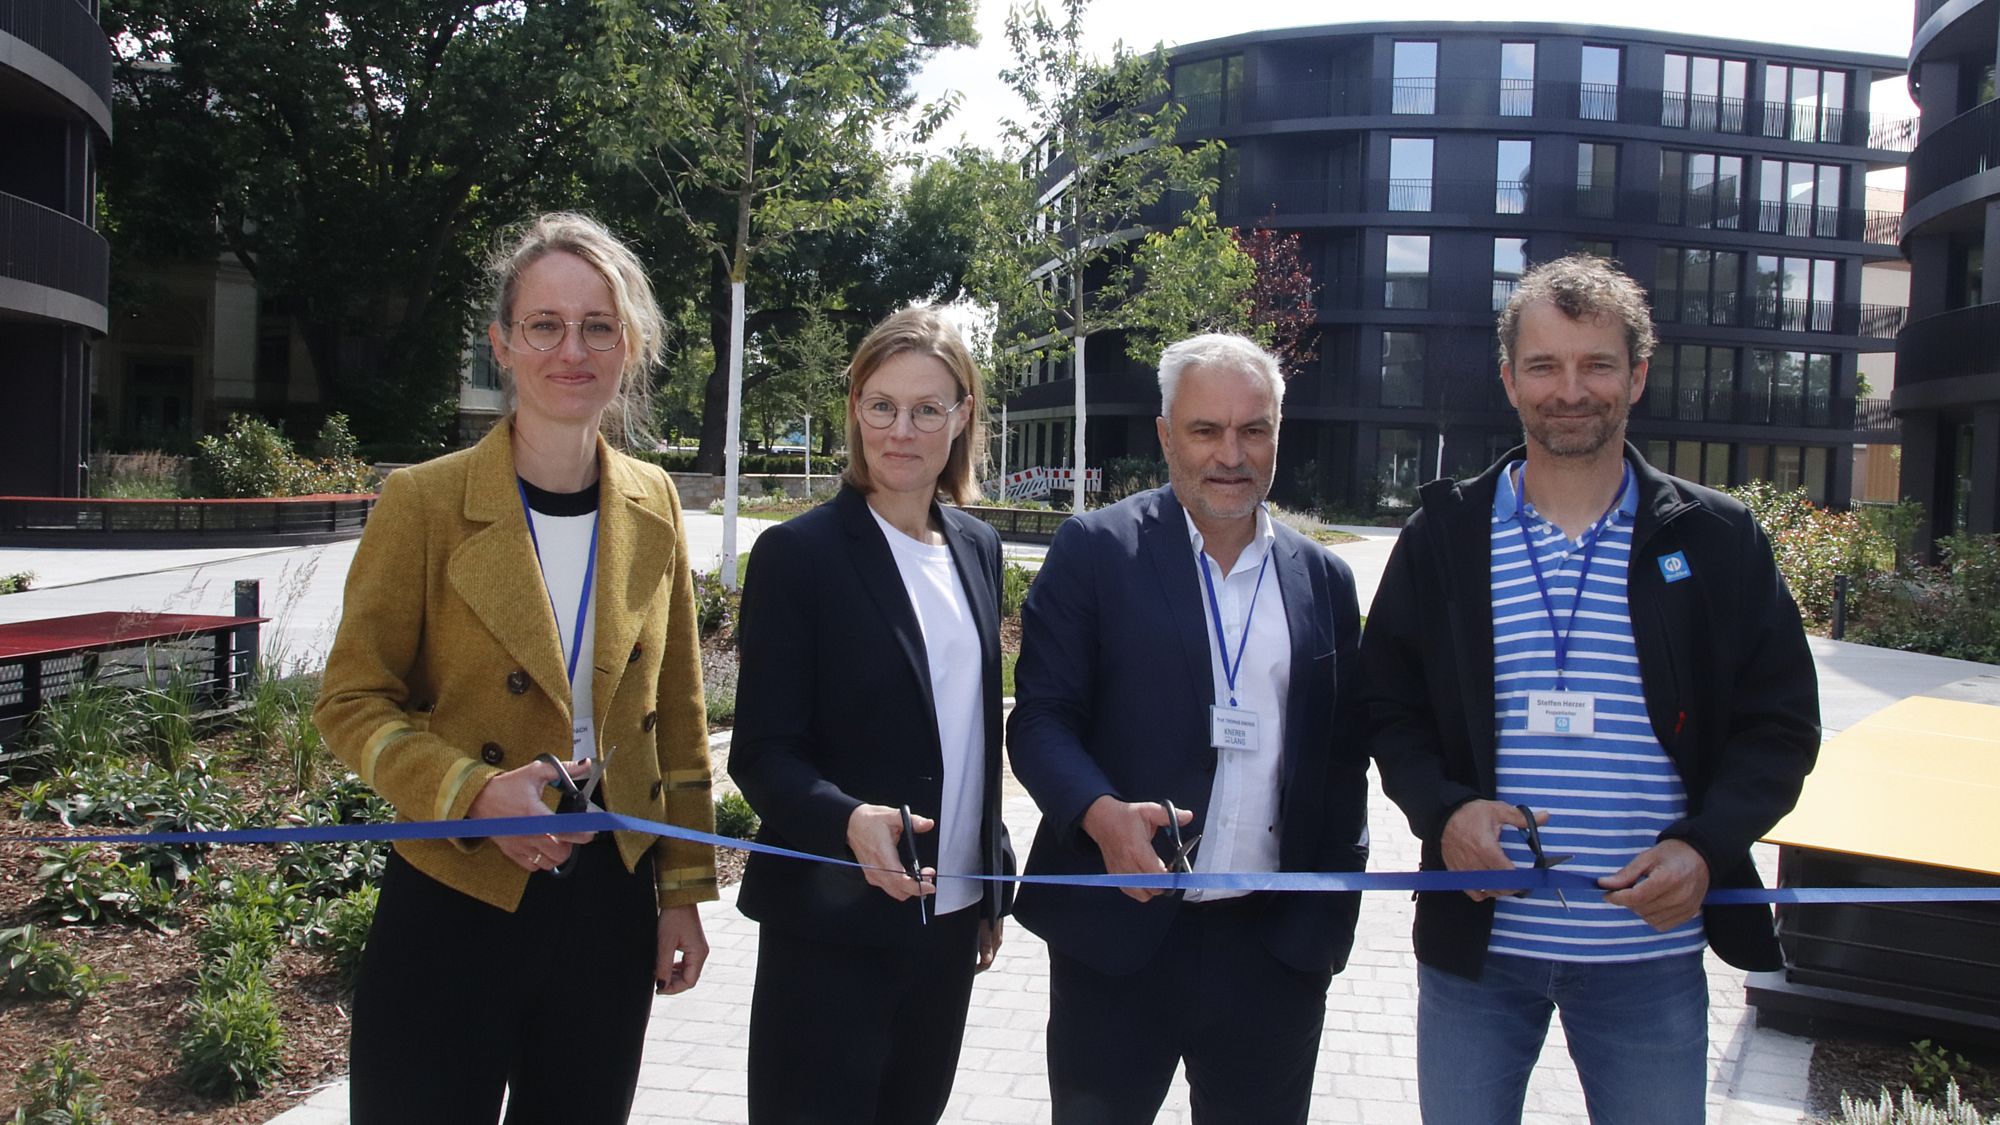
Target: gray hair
{"points": [[1223, 350]]}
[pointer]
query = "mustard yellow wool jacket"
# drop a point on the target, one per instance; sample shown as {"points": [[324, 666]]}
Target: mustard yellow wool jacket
{"points": [[448, 670]]}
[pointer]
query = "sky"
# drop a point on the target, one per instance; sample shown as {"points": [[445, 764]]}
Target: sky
{"points": [[1871, 26]]}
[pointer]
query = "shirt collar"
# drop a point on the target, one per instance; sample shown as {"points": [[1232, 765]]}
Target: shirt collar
{"points": [[1258, 545], [1507, 502]]}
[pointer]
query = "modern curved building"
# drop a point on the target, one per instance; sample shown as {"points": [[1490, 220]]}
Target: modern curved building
{"points": [[1424, 165], [55, 111], [1948, 358]]}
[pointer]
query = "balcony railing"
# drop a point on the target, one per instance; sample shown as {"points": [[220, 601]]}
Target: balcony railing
{"points": [[48, 248], [1503, 291], [1884, 228], [1964, 146], [1703, 112], [1872, 414], [66, 32], [1800, 220], [1406, 292], [1960, 342]]}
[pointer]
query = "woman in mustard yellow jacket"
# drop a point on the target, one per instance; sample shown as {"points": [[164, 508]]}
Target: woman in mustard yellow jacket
{"points": [[528, 596]]}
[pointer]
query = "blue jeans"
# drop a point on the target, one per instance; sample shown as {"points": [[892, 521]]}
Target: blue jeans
{"points": [[1637, 1031]]}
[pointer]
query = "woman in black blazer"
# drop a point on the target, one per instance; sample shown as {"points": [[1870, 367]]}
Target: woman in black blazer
{"points": [[870, 682]]}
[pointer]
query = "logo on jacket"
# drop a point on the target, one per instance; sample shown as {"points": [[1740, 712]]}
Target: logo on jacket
{"points": [[1674, 567]]}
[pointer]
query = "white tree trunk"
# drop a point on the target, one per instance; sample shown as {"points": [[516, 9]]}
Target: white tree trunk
{"points": [[809, 455], [731, 453], [1078, 463], [1003, 447]]}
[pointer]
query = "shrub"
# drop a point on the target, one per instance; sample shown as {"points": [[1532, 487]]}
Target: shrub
{"points": [[714, 607], [34, 967], [1124, 476], [1014, 582], [720, 704], [233, 1044], [253, 458], [16, 583], [82, 726], [58, 1091], [734, 817], [80, 889], [246, 929], [1948, 610], [347, 929], [146, 475], [1813, 545], [1909, 1111]]}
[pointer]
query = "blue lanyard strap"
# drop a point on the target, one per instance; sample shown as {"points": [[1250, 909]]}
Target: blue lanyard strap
{"points": [[1229, 668], [1594, 535], [589, 577]]}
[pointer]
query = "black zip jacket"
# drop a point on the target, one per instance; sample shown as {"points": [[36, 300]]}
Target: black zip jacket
{"points": [[1729, 683]]}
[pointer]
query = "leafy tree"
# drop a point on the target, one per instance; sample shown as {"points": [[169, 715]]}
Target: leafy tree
{"points": [[754, 122], [1283, 298], [1104, 133], [355, 156], [1193, 278]]}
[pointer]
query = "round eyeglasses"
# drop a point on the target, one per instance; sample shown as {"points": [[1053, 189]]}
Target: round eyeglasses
{"points": [[879, 413], [544, 332]]}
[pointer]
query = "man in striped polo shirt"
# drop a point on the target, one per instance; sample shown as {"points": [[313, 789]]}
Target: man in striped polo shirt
{"points": [[1575, 659]]}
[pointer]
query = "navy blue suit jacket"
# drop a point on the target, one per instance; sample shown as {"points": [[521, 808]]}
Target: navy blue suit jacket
{"points": [[1112, 696]]}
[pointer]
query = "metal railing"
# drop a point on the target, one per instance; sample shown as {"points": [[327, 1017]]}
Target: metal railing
{"points": [[1406, 292], [1959, 342], [45, 247], [96, 523], [1713, 210], [1708, 113], [65, 32], [1874, 414], [1800, 220], [1882, 227], [1964, 146]]}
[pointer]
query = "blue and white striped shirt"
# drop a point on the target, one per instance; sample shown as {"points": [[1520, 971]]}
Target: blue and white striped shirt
{"points": [[1608, 795]]}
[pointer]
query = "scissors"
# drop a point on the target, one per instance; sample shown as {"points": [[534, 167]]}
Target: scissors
{"points": [[572, 799], [1178, 861], [1543, 861], [910, 865]]}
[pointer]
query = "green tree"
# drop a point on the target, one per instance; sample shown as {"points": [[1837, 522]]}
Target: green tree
{"points": [[355, 156], [754, 121], [1105, 134], [1190, 279]]}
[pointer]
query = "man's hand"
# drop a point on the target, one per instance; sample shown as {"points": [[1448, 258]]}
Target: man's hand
{"points": [[874, 834], [1472, 839], [1663, 885], [991, 931], [1124, 834]]}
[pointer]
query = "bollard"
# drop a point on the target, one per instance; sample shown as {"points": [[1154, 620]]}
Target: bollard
{"points": [[1839, 629], [249, 638]]}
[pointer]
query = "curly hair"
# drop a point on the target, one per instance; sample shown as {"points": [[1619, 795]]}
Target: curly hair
{"points": [[1583, 287]]}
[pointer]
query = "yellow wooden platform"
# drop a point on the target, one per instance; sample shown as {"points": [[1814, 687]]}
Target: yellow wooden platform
{"points": [[1918, 781]]}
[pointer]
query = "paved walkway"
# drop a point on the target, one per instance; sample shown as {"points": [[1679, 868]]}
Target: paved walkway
{"points": [[695, 1052]]}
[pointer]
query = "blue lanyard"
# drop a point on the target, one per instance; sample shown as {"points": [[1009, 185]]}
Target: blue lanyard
{"points": [[589, 577], [1229, 669], [1594, 534]]}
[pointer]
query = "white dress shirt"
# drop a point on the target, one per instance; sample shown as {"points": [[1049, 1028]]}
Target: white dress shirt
{"points": [[1240, 831]]}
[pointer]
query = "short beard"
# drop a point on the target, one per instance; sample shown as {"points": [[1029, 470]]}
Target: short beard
{"points": [[1560, 442]]}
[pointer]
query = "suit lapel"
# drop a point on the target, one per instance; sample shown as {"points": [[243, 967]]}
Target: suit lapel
{"points": [[1308, 641], [1163, 536], [876, 568], [636, 546], [495, 570]]}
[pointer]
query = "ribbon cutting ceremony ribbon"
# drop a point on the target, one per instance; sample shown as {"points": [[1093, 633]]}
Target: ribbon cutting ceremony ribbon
{"points": [[1286, 881]]}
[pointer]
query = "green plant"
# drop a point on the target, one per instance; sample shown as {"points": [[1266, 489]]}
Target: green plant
{"points": [[16, 583], [233, 1043], [1934, 1068], [164, 711], [1014, 582], [714, 607], [721, 706], [247, 929], [253, 458], [58, 1091], [1949, 610], [80, 726], [1813, 545], [145, 475], [1910, 1110], [35, 967], [1124, 476], [305, 750], [346, 937], [734, 817], [78, 888]]}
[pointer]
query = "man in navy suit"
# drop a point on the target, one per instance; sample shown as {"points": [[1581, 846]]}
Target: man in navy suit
{"points": [[1181, 647]]}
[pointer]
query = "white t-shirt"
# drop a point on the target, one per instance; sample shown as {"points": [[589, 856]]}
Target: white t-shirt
{"points": [[951, 646], [563, 543]]}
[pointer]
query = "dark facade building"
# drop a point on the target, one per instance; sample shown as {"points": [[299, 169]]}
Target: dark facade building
{"points": [[1425, 165], [55, 113], [1948, 358]]}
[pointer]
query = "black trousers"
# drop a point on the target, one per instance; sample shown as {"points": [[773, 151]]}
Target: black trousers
{"points": [[848, 1035], [459, 1001], [1247, 1025]]}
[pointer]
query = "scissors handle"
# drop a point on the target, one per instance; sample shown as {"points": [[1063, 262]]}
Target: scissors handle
{"points": [[910, 865], [569, 799]]}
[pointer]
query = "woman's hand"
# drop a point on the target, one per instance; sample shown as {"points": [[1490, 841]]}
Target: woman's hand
{"points": [[874, 834], [680, 933], [518, 792], [989, 942]]}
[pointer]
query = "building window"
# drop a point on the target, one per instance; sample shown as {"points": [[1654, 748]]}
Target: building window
{"points": [[1789, 467], [1211, 91], [1697, 92], [1597, 96], [1799, 198], [1701, 189], [1794, 294], [1407, 280], [1414, 88], [1510, 261], [1596, 180], [1788, 389], [1517, 79], [1402, 369], [1965, 280], [1410, 174], [1397, 457], [485, 374], [1805, 103], [1691, 383], [1702, 462], [1596, 248], [1697, 286], [1513, 162]]}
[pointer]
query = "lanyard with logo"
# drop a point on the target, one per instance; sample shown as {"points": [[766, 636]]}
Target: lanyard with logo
{"points": [[580, 733], [1231, 727], [1564, 712]]}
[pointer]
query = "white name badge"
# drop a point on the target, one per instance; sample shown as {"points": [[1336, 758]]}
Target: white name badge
{"points": [[583, 739], [1562, 712], [1231, 728]]}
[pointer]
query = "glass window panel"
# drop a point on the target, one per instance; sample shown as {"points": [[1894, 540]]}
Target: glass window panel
{"points": [[1510, 260], [1396, 466], [1694, 286], [1785, 468], [1688, 389], [1735, 75], [1598, 94], [1788, 389], [1667, 284], [1703, 84], [1819, 390], [1410, 174], [1687, 460], [1517, 79], [1815, 473], [1512, 163], [1771, 196], [1414, 89], [1715, 465], [1673, 91], [1659, 455], [1408, 266], [1402, 369], [1826, 220], [1721, 380], [1725, 288], [1658, 400], [1756, 404], [1756, 462]]}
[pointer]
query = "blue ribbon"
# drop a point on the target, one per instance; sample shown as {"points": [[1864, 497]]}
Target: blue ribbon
{"points": [[1288, 881]]}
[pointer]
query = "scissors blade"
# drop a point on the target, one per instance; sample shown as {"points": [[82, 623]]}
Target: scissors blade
{"points": [[597, 767]]}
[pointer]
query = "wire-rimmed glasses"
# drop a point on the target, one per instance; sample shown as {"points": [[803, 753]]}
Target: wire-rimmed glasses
{"points": [[545, 332], [879, 413]]}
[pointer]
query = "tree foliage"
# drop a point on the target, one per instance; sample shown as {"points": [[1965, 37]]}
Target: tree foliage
{"points": [[1186, 280], [1283, 298]]}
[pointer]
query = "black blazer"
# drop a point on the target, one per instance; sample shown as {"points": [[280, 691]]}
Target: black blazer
{"points": [[1112, 696], [834, 711]]}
